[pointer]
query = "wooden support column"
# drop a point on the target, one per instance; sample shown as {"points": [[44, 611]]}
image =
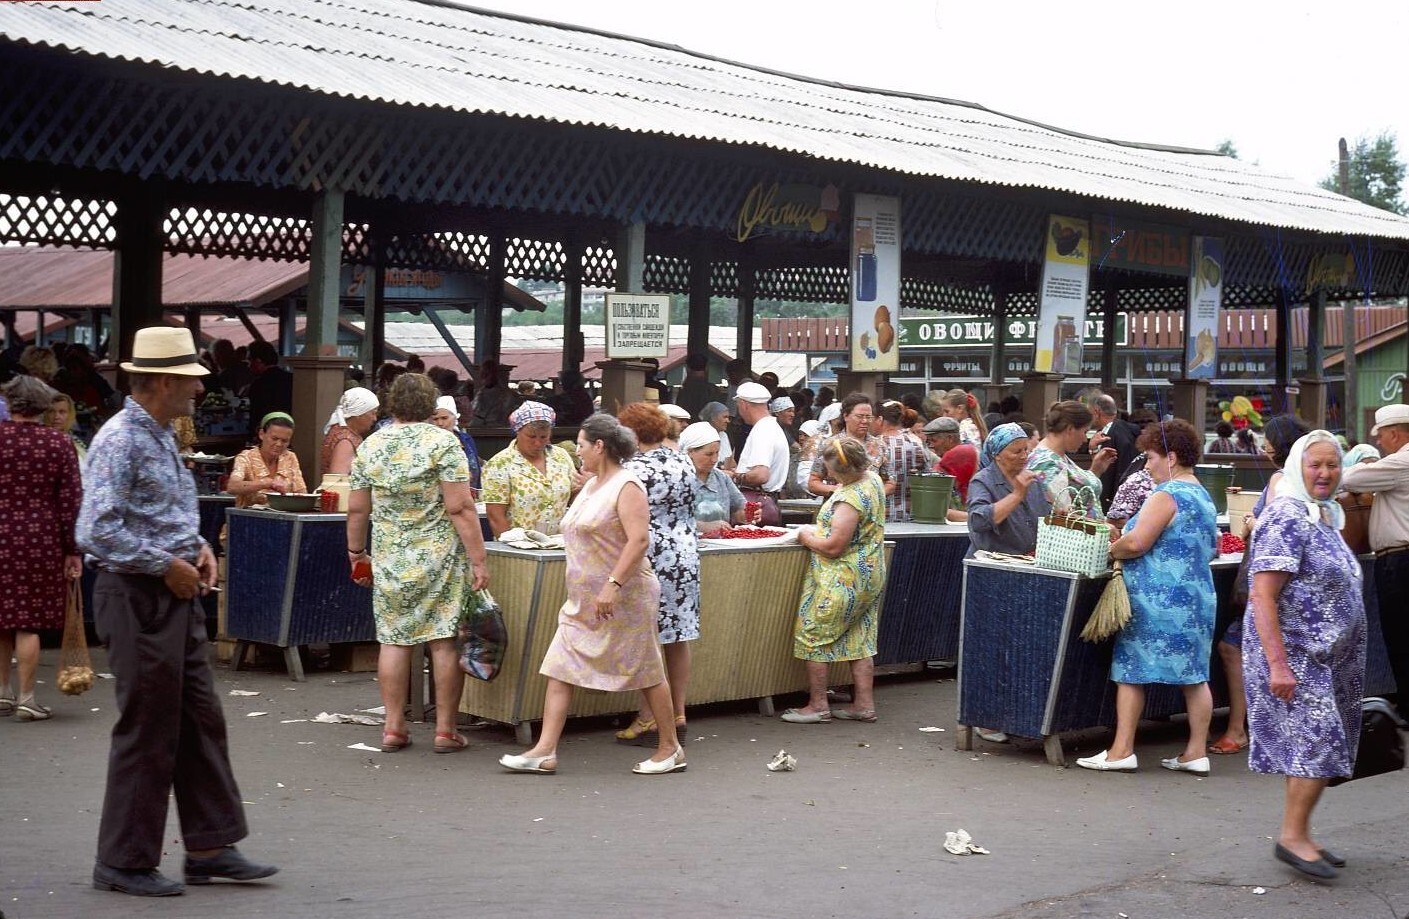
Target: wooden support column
{"points": [[1311, 401], [698, 340], [320, 332], [137, 263], [1039, 391], [1109, 371], [1282, 402], [319, 370], [192, 317], [748, 284], [572, 306], [489, 318], [998, 386]]}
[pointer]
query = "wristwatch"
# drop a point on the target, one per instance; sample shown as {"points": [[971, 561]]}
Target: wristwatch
{"points": [[612, 580]]}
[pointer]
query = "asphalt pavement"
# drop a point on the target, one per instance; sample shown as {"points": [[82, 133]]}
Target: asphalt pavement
{"points": [[856, 831]]}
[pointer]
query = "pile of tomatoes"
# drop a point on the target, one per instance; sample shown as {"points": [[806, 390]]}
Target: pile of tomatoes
{"points": [[746, 533], [1228, 544]]}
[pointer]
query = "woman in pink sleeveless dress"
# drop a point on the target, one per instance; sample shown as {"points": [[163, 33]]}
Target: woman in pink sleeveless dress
{"points": [[606, 636]]}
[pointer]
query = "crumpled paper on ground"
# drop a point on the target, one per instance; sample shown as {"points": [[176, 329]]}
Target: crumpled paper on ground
{"points": [[959, 842], [783, 762], [339, 718]]}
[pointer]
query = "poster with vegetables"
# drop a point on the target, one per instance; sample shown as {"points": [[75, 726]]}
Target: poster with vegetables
{"points": [[1205, 304], [875, 283], [1061, 308]]}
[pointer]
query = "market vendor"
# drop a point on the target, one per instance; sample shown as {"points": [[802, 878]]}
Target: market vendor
{"points": [[1005, 499], [529, 482], [350, 422], [718, 501], [268, 466]]}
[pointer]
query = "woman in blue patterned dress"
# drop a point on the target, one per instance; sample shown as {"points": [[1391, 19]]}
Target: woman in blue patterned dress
{"points": [[674, 555], [841, 593], [1304, 645], [1169, 544]]}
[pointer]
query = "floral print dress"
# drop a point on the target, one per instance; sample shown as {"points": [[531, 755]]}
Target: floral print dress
{"points": [[841, 597], [1056, 473], [1172, 601], [671, 488], [534, 500], [420, 572], [1322, 615]]}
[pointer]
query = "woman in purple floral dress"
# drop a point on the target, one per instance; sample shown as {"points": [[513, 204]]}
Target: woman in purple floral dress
{"points": [[1304, 646], [671, 484]]}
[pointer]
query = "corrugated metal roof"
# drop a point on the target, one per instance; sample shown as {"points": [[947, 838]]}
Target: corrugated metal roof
{"points": [[438, 55], [46, 278]]}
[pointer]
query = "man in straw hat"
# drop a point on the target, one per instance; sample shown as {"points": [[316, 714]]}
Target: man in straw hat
{"points": [[139, 525], [1388, 479]]}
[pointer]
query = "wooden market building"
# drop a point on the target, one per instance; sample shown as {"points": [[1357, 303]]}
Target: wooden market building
{"points": [[422, 134]]}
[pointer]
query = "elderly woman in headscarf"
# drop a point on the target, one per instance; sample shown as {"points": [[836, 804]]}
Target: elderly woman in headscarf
{"points": [[529, 482], [447, 418], [1304, 645], [268, 466], [718, 501], [716, 415], [350, 422], [1004, 507]]}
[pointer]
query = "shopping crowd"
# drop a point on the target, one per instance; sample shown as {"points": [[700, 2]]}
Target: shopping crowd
{"points": [[632, 495]]}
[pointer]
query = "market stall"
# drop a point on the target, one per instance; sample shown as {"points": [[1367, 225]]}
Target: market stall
{"points": [[1024, 670], [924, 593], [749, 598], [287, 583]]}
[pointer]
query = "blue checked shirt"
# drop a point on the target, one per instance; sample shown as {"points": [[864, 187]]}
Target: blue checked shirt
{"points": [[139, 500]]}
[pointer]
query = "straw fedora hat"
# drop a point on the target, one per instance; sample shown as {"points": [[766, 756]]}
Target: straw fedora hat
{"points": [[162, 349]]}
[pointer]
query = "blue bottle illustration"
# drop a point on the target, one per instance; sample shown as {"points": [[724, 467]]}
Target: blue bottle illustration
{"points": [[865, 260]]}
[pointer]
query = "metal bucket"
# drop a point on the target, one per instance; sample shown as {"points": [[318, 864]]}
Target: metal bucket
{"points": [[1216, 479], [929, 497]]}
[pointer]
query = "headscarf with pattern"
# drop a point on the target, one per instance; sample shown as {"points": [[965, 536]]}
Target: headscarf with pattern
{"points": [[998, 439], [530, 412]]}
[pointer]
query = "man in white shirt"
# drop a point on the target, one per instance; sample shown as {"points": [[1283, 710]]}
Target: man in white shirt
{"points": [[763, 462], [1388, 479]]}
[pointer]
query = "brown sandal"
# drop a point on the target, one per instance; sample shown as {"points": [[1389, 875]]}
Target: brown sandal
{"points": [[450, 743]]}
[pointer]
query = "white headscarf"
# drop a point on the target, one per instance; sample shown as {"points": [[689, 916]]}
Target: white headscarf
{"points": [[1359, 453], [699, 434], [448, 403], [356, 401], [1293, 481]]}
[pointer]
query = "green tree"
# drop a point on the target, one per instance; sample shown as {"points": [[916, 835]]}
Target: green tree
{"points": [[1226, 148], [1376, 173]]}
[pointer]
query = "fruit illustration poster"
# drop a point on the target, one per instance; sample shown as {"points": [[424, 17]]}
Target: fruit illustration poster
{"points": [[875, 282], [1062, 297], [1205, 302]]}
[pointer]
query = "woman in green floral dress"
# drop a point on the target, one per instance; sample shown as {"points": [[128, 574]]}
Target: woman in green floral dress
{"points": [[841, 599], [413, 481]]}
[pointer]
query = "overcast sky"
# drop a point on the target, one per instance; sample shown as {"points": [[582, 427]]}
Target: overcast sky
{"points": [[1281, 80]]}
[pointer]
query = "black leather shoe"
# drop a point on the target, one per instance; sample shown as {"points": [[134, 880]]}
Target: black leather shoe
{"points": [[229, 864], [1317, 869], [1332, 858], [148, 883]]}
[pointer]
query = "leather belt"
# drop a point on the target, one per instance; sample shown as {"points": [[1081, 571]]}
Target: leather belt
{"points": [[1381, 553]]}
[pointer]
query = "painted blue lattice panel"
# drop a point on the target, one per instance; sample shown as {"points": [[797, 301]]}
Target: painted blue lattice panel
{"points": [[920, 619]]}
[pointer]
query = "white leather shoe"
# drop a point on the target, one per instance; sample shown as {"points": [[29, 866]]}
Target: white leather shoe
{"points": [[538, 765], [1100, 763], [674, 763], [1196, 766]]}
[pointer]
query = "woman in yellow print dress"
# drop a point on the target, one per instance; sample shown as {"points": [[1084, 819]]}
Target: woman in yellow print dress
{"points": [[841, 595], [607, 636], [529, 482], [411, 478]]}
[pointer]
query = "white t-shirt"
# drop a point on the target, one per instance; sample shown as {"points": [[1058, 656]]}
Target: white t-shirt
{"points": [[767, 445], [726, 449]]}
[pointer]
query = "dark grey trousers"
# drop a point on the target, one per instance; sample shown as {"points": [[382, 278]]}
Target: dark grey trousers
{"points": [[170, 731]]}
